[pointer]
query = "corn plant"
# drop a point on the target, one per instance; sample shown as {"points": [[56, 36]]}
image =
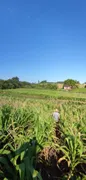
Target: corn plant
{"points": [[20, 164], [33, 120]]}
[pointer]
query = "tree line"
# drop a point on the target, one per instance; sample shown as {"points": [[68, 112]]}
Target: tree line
{"points": [[14, 83]]}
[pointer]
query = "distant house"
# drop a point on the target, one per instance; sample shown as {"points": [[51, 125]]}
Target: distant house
{"points": [[66, 87]]}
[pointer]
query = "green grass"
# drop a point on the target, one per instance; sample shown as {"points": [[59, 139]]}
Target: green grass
{"points": [[79, 90], [78, 93]]}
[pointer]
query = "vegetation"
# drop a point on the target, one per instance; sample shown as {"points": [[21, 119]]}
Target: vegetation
{"points": [[10, 83], [71, 82], [33, 147], [75, 94], [15, 83]]}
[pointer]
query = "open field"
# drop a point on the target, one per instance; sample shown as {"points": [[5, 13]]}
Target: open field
{"points": [[32, 146], [40, 93]]}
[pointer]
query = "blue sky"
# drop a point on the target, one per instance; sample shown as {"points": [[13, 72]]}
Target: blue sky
{"points": [[43, 39]]}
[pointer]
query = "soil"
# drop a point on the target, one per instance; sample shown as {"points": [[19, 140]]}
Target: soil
{"points": [[57, 131], [51, 168], [49, 165]]}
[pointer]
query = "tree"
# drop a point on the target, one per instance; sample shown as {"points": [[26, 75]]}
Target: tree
{"points": [[5, 85], [25, 84], [15, 79], [10, 83], [77, 82], [16, 83], [70, 82], [1, 83], [44, 81]]}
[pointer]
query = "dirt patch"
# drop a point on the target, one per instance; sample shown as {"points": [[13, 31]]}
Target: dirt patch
{"points": [[57, 131], [49, 166], [81, 169]]}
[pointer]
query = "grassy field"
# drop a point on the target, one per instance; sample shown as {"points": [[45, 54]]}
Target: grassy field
{"points": [[78, 93], [32, 146]]}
